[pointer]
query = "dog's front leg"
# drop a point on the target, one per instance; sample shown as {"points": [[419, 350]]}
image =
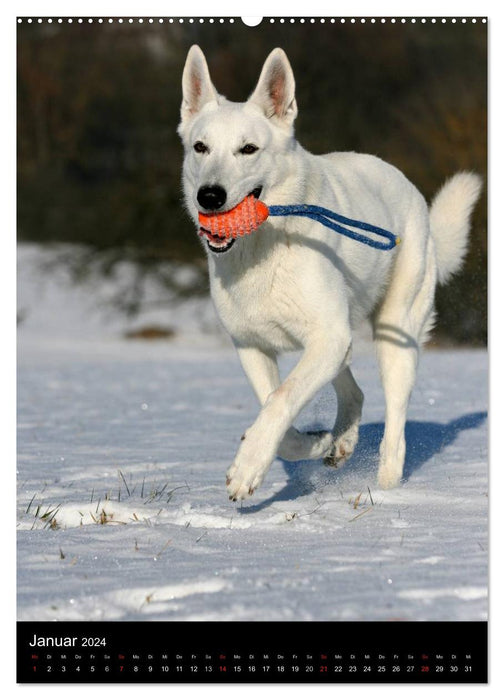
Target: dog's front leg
{"points": [[319, 364], [261, 369]]}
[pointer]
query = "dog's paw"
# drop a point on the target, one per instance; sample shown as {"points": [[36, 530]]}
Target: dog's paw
{"points": [[241, 482], [388, 478], [390, 471], [298, 446], [342, 448]]}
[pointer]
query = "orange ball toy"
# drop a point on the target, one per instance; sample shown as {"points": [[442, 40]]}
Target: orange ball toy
{"points": [[242, 220]]}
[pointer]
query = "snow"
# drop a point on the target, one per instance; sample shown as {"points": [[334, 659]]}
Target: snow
{"points": [[123, 447]]}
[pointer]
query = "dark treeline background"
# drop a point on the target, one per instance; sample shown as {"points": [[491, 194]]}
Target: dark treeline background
{"points": [[99, 159]]}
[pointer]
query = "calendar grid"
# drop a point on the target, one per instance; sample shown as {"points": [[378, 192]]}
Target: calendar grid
{"points": [[292, 652]]}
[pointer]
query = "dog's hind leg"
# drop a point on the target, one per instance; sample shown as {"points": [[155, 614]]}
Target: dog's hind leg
{"points": [[346, 428], [261, 369], [399, 327]]}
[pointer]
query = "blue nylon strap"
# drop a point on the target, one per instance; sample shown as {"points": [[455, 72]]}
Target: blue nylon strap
{"points": [[332, 220]]}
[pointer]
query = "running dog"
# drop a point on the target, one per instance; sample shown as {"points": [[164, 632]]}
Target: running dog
{"points": [[295, 285]]}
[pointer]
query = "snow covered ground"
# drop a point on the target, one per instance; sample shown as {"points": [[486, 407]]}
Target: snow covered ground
{"points": [[123, 447]]}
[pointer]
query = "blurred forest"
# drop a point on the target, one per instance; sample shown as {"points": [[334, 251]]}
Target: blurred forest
{"points": [[99, 160]]}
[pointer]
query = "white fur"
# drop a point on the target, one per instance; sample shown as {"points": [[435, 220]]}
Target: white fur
{"points": [[295, 285], [450, 211]]}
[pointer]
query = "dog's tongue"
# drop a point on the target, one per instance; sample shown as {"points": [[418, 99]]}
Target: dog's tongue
{"points": [[243, 219]]}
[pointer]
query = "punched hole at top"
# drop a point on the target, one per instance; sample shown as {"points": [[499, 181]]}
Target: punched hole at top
{"points": [[251, 21]]}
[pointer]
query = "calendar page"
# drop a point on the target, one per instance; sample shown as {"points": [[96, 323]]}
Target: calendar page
{"points": [[252, 361]]}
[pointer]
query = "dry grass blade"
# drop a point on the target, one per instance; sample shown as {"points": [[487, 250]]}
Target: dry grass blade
{"points": [[124, 482], [164, 548], [362, 513], [30, 503], [49, 517]]}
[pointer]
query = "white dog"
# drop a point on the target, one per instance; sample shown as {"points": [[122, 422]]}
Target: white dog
{"points": [[293, 284]]}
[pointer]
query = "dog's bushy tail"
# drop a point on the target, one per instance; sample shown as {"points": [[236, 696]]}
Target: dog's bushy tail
{"points": [[450, 214]]}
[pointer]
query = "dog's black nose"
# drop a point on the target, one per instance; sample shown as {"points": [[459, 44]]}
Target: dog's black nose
{"points": [[211, 197]]}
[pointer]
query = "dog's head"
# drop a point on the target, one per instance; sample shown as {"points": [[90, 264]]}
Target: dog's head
{"points": [[234, 149]]}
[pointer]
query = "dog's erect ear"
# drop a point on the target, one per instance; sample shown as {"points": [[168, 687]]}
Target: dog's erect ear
{"points": [[197, 87], [275, 91]]}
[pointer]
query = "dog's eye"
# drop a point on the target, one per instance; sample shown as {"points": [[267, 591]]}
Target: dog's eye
{"points": [[248, 149], [200, 147]]}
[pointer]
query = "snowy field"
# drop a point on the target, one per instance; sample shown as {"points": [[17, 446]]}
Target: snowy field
{"points": [[123, 447]]}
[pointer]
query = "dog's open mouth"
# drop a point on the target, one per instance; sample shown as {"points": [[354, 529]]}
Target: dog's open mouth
{"points": [[217, 244], [221, 244]]}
